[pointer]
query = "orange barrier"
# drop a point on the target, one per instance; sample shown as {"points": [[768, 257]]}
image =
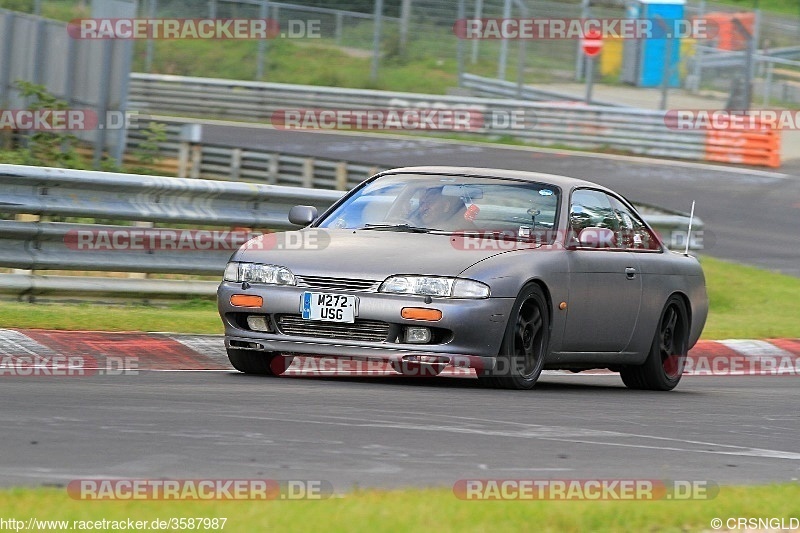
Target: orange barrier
{"points": [[728, 35], [759, 147]]}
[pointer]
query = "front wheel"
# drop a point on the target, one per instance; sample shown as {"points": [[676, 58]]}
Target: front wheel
{"points": [[663, 367], [526, 343], [259, 363]]}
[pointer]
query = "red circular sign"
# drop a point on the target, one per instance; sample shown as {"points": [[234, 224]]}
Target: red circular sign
{"points": [[592, 43]]}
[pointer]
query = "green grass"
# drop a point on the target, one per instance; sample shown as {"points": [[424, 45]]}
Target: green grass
{"points": [[745, 302], [786, 7], [194, 316], [423, 510], [748, 302]]}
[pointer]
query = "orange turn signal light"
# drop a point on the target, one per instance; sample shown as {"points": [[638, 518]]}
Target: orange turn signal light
{"points": [[421, 313], [246, 300]]}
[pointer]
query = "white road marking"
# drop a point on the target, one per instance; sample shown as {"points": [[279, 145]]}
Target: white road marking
{"points": [[550, 433], [486, 467], [15, 343], [759, 350]]}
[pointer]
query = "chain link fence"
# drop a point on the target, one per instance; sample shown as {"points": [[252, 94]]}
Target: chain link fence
{"points": [[754, 57]]}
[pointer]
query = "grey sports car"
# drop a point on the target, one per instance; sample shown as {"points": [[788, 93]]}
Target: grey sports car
{"points": [[502, 271]]}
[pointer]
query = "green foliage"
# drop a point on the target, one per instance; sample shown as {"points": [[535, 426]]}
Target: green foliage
{"points": [[53, 148], [49, 148], [21, 156], [148, 152]]}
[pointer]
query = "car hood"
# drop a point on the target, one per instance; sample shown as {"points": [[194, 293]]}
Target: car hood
{"points": [[362, 254]]}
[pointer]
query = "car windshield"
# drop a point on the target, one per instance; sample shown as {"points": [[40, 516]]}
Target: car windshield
{"points": [[440, 203]]}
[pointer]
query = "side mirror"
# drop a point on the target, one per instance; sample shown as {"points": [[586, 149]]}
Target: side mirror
{"points": [[302, 215]]}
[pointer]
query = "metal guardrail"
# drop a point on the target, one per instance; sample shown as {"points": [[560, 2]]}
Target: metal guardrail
{"points": [[634, 130], [37, 245], [42, 245], [711, 57], [57, 246], [65, 192], [497, 88], [229, 163]]}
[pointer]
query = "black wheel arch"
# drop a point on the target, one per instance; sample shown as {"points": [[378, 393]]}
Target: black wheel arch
{"points": [[547, 296], [686, 304]]}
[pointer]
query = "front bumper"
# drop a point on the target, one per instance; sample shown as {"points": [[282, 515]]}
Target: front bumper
{"points": [[469, 333]]}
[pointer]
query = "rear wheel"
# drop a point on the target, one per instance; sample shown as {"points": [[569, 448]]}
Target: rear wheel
{"points": [[260, 363], [663, 367], [525, 344]]}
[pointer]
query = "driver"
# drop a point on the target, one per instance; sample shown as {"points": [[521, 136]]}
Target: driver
{"points": [[435, 208]]}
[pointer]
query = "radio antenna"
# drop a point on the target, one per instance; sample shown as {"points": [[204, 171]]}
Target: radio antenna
{"points": [[689, 232]]}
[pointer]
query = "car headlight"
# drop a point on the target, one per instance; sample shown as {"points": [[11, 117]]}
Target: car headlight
{"points": [[258, 273], [435, 286]]}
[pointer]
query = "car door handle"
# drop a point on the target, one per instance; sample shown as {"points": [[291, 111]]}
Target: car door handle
{"points": [[630, 273]]}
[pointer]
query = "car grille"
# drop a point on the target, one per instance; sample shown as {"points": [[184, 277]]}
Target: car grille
{"points": [[361, 330], [337, 284]]}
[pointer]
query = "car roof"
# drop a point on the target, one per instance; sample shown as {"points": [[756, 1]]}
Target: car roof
{"points": [[565, 182]]}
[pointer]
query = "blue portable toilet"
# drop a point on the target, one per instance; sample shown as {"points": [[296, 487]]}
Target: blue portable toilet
{"points": [[643, 57]]}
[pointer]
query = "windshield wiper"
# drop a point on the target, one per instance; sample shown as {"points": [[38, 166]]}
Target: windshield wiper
{"points": [[398, 227]]}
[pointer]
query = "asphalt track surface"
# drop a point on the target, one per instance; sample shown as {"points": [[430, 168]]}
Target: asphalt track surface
{"points": [[394, 432], [398, 432], [750, 216], [158, 405]]}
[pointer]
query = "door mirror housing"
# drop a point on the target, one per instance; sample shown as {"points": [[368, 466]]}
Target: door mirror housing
{"points": [[302, 215]]}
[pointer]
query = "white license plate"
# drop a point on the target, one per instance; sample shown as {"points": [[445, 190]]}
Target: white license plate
{"points": [[329, 307]]}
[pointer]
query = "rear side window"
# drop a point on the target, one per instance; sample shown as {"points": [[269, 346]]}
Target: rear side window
{"points": [[633, 233]]}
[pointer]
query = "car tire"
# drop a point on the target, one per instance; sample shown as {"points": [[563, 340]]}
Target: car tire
{"points": [[258, 363], [664, 365], [526, 343]]}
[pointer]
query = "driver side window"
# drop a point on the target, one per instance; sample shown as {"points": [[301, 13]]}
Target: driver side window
{"points": [[592, 221]]}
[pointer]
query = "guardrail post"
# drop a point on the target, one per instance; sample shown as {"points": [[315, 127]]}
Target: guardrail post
{"points": [[338, 30], [24, 217], [236, 163], [308, 172], [272, 168], [197, 160], [191, 135], [341, 176], [183, 159], [140, 275]]}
